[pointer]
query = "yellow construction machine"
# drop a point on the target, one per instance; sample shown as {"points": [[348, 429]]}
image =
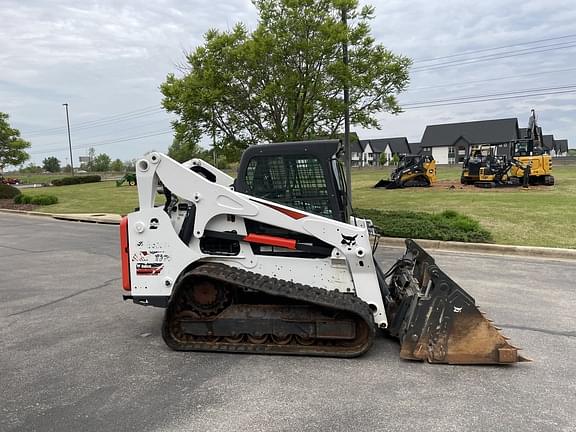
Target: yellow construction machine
{"points": [[533, 162], [531, 152], [484, 168], [526, 162], [412, 171]]}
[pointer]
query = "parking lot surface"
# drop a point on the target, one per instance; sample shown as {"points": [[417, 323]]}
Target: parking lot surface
{"points": [[75, 357]]}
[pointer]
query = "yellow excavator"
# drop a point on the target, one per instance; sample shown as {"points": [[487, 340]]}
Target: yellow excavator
{"points": [[532, 153], [412, 171]]}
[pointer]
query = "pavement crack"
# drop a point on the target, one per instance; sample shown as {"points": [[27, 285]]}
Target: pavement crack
{"points": [[104, 284], [540, 330], [18, 249], [27, 252]]}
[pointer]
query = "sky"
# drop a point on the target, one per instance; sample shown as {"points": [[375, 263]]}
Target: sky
{"points": [[106, 59]]}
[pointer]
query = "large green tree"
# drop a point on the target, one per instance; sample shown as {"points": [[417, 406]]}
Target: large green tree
{"points": [[184, 148], [51, 164], [101, 163], [117, 166], [284, 80], [12, 147]]}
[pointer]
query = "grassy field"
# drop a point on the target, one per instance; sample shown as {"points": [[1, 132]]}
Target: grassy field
{"points": [[102, 197], [536, 217]]}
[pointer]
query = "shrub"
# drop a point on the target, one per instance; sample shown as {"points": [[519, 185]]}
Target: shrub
{"points": [[8, 192], [66, 181], [448, 225], [36, 199]]}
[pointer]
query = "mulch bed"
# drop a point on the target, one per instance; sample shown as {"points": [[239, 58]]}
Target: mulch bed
{"points": [[9, 204]]}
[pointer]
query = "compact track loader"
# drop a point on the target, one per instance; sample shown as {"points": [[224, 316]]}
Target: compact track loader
{"points": [[412, 171], [272, 263]]}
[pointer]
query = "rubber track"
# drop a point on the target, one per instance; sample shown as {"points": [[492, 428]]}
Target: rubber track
{"points": [[278, 287]]}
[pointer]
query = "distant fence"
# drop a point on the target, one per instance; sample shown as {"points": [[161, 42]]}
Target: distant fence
{"points": [[567, 160]]}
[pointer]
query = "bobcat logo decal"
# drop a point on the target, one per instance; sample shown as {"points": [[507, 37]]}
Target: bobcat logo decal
{"points": [[349, 240]]}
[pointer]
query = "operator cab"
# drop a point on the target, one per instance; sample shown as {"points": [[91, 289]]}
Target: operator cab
{"points": [[306, 175], [409, 160]]}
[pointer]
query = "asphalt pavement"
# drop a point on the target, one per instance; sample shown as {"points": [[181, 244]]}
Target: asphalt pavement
{"points": [[74, 356]]}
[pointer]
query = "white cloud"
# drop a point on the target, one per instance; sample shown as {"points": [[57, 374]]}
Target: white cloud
{"points": [[105, 57]]}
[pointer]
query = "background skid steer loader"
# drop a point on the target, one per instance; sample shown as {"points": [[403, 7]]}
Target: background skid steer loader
{"points": [[412, 171], [272, 263]]}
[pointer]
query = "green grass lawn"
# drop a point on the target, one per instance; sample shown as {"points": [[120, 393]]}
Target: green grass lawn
{"points": [[535, 217], [102, 197]]}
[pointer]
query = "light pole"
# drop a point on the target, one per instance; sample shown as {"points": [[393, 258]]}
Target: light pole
{"points": [[347, 149], [69, 139]]}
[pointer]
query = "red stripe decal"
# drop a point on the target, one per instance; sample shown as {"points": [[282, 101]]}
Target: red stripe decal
{"points": [[292, 213], [124, 254], [271, 240]]}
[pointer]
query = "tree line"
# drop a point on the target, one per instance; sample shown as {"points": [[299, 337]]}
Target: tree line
{"points": [[98, 163]]}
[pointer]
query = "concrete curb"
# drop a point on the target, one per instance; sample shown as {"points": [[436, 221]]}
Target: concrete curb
{"points": [[480, 248], [103, 218], [25, 212], [486, 248]]}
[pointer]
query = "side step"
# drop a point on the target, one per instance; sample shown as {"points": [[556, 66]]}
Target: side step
{"points": [[436, 320]]}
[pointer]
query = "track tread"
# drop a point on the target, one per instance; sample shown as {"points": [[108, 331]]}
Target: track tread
{"points": [[278, 287]]}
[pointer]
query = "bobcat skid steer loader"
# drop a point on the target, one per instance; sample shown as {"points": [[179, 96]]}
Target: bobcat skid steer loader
{"points": [[272, 263]]}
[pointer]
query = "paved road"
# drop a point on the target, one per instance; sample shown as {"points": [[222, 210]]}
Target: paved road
{"points": [[73, 356]]}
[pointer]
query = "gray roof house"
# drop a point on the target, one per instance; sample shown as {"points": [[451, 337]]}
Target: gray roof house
{"points": [[373, 148], [415, 148], [398, 145], [548, 142], [448, 143], [561, 147], [476, 132]]}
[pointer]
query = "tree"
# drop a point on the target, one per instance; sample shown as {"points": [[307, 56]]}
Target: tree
{"points": [[130, 165], [12, 147], [31, 169], [284, 80], [91, 156], [383, 159], [183, 149], [51, 164], [117, 166], [101, 163]]}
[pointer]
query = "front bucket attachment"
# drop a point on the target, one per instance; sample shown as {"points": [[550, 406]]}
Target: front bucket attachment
{"points": [[388, 184], [436, 320], [382, 183]]}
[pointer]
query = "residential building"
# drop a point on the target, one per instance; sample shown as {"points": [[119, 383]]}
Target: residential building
{"points": [[560, 148], [356, 152], [448, 143], [373, 149], [367, 158], [389, 147]]}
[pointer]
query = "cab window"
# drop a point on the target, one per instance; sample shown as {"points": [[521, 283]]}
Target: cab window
{"points": [[296, 181]]}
